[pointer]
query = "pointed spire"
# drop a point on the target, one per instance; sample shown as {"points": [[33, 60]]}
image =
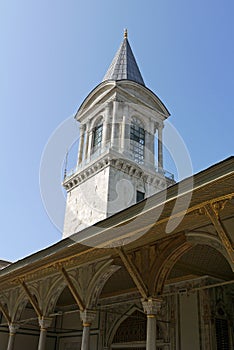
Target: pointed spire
{"points": [[124, 65]]}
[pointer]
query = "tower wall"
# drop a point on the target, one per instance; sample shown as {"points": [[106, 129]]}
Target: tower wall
{"points": [[86, 203], [124, 182], [107, 191]]}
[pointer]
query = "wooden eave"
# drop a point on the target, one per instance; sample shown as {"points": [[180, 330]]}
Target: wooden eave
{"points": [[211, 185]]}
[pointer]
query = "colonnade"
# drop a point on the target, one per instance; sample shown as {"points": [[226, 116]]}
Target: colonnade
{"points": [[151, 308], [44, 324]]}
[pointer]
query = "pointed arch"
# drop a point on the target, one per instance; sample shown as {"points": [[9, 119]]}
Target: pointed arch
{"points": [[15, 302], [53, 294], [166, 267], [173, 252], [20, 306], [126, 328], [210, 240], [164, 262], [120, 320]]}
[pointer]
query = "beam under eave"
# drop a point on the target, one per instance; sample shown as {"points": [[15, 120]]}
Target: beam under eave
{"points": [[133, 272], [32, 300], [214, 218], [73, 290], [5, 313]]}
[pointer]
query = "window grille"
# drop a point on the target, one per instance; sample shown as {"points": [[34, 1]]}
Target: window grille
{"points": [[137, 141], [97, 136], [222, 334], [132, 329]]}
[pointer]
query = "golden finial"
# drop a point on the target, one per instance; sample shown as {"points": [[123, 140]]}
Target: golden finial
{"points": [[125, 33]]}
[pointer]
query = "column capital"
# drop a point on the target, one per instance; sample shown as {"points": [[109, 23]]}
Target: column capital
{"points": [[82, 127], [87, 317], [45, 322], [108, 106], [160, 125], [152, 306], [13, 327]]}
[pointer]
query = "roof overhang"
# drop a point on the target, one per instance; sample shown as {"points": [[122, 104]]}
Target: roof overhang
{"points": [[141, 224]]}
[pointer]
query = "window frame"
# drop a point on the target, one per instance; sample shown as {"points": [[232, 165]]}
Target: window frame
{"points": [[137, 140], [140, 196], [97, 136]]}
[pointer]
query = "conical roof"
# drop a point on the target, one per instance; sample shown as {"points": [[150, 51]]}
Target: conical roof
{"points": [[124, 65]]}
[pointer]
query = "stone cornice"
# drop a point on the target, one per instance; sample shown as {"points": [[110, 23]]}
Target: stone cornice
{"points": [[123, 165]]}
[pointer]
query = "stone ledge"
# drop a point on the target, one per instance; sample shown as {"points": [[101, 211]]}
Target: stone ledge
{"points": [[124, 165]]}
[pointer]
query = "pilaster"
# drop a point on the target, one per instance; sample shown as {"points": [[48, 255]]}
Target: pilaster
{"points": [[87, 139], [81, 144], [106, 126], [160, 147]]}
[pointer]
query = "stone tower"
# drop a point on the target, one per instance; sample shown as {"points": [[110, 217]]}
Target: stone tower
{"points": [[116, 158]]}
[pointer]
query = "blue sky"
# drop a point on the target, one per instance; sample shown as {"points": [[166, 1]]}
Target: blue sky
{"points": [[53, 53]]}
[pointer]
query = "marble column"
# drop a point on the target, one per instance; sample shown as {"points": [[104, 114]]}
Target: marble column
{"points": [[125, 131], [160, 148], [90, 142], [114, 137], [125, 144], [87, 317], [151, 308], [81, 144], [44, 323], [12, 333], [149, 149], [106, 127], [87, 133]]}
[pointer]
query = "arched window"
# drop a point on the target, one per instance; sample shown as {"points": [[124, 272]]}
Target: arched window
{"points": [[97, 136], [132, 329], [137, 140]]}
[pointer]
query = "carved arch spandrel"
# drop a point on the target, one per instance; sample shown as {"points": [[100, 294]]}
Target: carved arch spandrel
{"points": [[98, 281], [54, 292], [40, 292], [16, 301], [90, 279]]}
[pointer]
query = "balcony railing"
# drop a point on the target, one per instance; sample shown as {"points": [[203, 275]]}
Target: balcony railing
{"points": [[95, 154]]}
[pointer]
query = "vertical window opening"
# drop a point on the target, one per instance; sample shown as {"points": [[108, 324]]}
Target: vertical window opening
{"points": [[137, 141], [97, 136], [140, 196]]}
